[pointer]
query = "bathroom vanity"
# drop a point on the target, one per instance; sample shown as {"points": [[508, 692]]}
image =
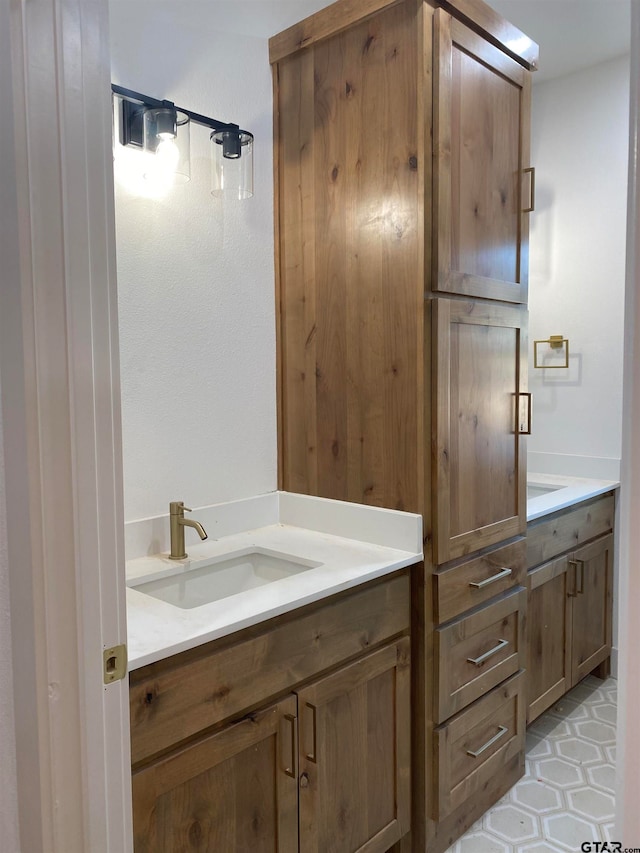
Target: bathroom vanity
{"points": [[570, 591], [279, 717], [292, 736]]}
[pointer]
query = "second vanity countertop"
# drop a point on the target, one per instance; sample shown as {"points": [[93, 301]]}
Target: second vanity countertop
{"points": [[353, 543], [567, 491]]}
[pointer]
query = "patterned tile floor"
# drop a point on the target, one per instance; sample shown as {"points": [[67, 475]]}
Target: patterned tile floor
{"points": [[566, 795]]}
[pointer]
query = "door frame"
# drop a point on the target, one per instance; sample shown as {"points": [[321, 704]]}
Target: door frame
{"points": [[628, 750], [61, 428]]}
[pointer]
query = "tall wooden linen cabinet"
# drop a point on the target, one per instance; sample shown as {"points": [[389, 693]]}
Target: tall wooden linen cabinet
{"points": [[403, 192]]}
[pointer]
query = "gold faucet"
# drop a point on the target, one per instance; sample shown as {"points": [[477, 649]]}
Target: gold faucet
{"points": [[178, 523]]}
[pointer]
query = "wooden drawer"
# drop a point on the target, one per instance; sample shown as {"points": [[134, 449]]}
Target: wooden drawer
{"points": [[473, 582], [176, 698], [472, 748], [553, 535], [477, 652]]}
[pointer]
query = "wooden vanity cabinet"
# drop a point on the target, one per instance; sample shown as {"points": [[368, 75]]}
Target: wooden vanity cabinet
{"points": [[402, 196], [569, 631], [326, 766]]}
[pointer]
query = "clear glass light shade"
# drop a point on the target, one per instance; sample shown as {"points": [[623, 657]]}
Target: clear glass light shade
{"points": [[166, 146], [232, 154]]}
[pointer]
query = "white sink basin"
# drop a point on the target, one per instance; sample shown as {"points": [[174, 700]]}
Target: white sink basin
{"points": [[220, 578], [537, 490]]}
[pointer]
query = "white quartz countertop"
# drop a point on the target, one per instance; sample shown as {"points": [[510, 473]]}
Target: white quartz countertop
{"points": [[378, 542], [567, 491]]}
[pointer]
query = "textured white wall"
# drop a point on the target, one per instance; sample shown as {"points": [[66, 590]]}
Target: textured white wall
{"points": [[577, 267], [195, 274]]}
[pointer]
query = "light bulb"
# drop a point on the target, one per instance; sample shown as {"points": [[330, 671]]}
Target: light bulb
{"points": [[167, 153]]}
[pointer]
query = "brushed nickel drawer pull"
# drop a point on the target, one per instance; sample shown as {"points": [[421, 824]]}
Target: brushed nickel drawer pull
{"points": [[503, 573], [480, 660], [502, 730]]}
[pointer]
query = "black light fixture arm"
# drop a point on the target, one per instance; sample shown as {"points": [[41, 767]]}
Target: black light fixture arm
{"points": [[154, 103]]}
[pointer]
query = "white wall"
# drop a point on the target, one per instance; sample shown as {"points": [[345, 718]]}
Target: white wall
{"points": [[577, 268], [195, 274]]}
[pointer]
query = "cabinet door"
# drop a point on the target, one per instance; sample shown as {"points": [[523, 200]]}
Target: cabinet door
{"points": [[355, 755], [551, 592], [235, 790], [592, 605], [481, 147], [481, 411]]}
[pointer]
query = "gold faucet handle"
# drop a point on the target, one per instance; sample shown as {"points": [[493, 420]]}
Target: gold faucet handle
{"points": [[178, 508]]}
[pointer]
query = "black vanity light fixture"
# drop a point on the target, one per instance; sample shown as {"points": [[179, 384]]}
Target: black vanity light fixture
{"points": [[162, 131]]}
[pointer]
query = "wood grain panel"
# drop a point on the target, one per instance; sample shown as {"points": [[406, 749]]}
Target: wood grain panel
{"points": [[498, 627], [548, 635], [460, 776], [479, 149], [327, 22], [549, 537], [354, 755], [228, 791], [456, 587], [297, 282], [354, 231], [178, 697], [480, 471]]}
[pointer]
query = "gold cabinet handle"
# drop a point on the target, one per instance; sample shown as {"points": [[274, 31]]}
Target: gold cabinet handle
{"points": [[532, 189], [521, 430], [502, 730], [580, 589], [480, 660], [311, 755], [290, 764], [503, 573], [577, 590]]}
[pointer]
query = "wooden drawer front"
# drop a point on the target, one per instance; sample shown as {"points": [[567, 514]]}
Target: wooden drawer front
{"points": [[178, 697], [547, 538], [476, 653], [473, 747], [476, 581]]}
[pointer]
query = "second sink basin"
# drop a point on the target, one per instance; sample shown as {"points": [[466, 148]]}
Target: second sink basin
{"points": [[537, 490], [233, 573]]}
